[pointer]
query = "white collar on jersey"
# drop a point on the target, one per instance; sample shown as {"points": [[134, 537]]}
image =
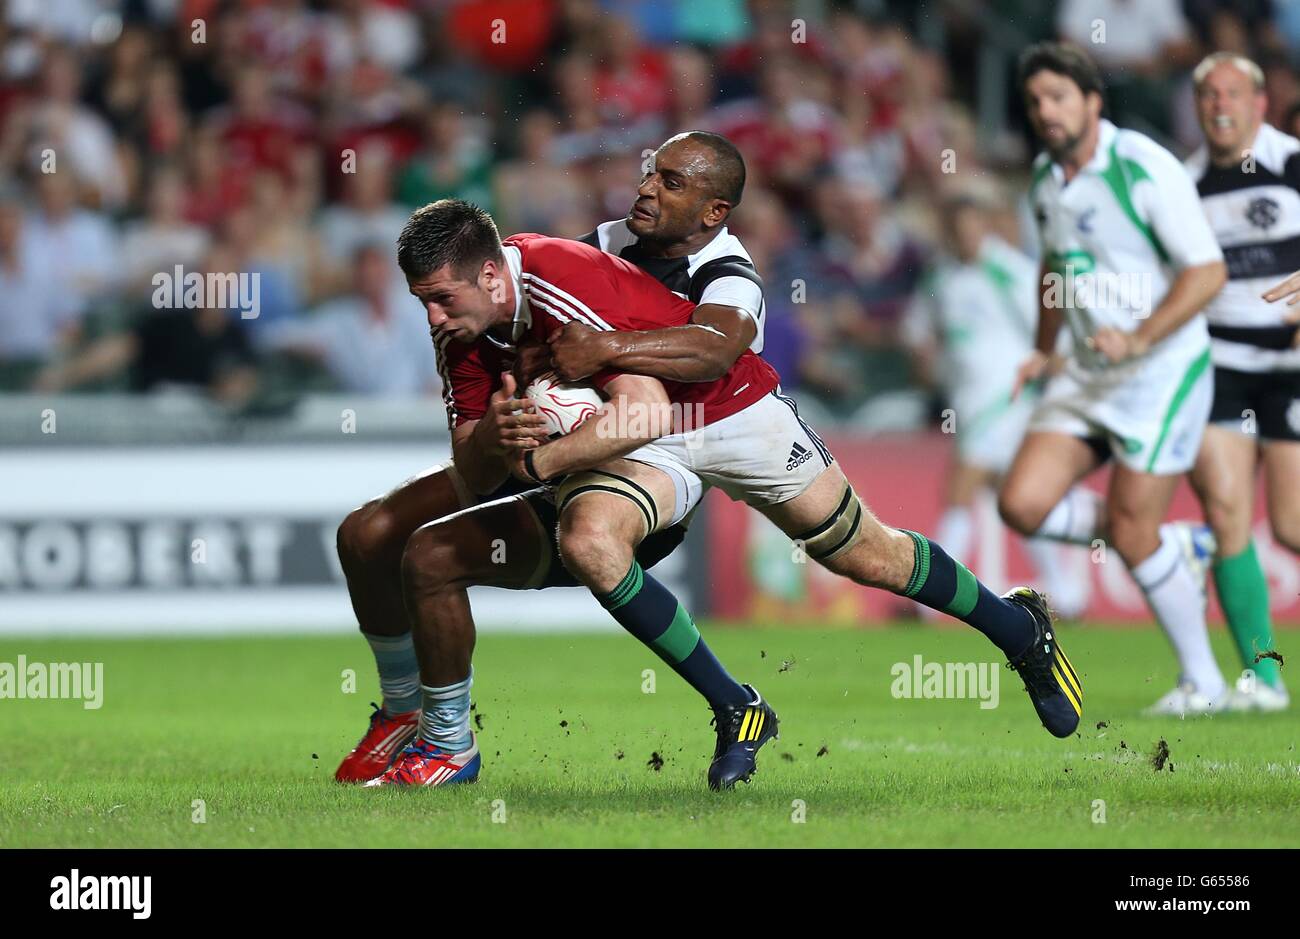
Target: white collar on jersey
{"points": [[612, 237], [522, 320]]}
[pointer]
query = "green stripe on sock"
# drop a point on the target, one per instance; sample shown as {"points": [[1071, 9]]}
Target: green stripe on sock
{"points": [[679, 639], [627, 588], [967, 595], [921, 564], [1243, 594]]}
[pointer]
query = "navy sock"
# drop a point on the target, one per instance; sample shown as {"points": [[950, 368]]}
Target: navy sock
{"points": [[946, 585], [646, 609]]}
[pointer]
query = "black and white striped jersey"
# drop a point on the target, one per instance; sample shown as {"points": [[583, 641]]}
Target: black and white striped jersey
{"points": [[1254, 208], [721, 272]]}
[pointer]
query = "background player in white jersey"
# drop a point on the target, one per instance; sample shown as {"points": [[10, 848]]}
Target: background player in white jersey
{"points": [[970, 326], [1129, 262]]}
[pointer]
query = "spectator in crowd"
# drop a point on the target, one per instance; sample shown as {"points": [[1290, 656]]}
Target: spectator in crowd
{"points": [[366, 30], [167, 144], [260, 128], [866, 269], [372, 341], [1140, 46], [691, 90], [54, 132], [267, 238], [785, 132], [535, 192], [453, 162], [37, 315], [203, 349], [164, 237], [214, 187], [366, 214], [763, 225], [80, 241], [1281, 86], [631, 79]]}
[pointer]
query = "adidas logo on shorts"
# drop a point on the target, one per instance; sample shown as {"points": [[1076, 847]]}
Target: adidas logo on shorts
{"points": [[798, 455]]}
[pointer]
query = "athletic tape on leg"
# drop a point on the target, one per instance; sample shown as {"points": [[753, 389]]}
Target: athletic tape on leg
{"points": [[838, 532], [580, 484]]}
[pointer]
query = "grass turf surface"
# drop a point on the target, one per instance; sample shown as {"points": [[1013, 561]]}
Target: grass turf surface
{"points": [[254, 727]]}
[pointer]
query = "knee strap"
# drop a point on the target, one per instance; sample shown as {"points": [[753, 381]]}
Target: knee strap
{"points": [[838, 531], [580, 484]]}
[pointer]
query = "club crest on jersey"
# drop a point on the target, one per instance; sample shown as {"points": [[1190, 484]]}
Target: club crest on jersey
{"points": [[1263, 212], [1085, 221]]}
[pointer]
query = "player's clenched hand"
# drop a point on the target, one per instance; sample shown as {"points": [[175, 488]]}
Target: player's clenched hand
{"points": [[578, 351], [1117, 345], [511, 424]]}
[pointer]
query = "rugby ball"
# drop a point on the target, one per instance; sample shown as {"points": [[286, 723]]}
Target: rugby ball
{"points": [[565, 405]]}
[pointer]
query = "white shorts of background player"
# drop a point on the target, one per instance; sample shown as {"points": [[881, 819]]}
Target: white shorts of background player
{"points": [[989, 433], [1153, 419]]}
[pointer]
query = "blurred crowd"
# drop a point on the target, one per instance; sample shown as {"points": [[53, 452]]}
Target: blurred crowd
{"points": [[292, 138]]}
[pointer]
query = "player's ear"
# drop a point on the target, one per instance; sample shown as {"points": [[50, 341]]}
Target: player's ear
{"points": [[717, 213], [1096, 103], [490, 280]]}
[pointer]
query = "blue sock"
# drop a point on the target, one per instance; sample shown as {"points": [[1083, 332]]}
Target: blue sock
{"points": [[444, 716], [646, 609], [946, 585], [399, 673]]}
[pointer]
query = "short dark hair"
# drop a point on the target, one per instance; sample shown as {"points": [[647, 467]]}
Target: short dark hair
{"points": [[728, 170], [449, 231], [1063, 59]]}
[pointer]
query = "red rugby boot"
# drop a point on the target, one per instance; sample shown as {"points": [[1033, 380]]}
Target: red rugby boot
{"points": [[381, 743]]}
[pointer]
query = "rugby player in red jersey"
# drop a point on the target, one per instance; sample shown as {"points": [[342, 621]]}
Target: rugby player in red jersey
{"points": [[677, 231], [625, 475]]}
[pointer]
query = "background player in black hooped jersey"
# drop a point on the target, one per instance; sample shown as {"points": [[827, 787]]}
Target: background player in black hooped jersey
{"points": [[676, 231]]}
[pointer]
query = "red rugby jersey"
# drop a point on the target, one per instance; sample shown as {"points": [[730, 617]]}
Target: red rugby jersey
{"points": [[563, 281]]}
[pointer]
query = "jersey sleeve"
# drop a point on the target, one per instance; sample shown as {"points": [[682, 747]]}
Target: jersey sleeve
{"points": [[729, 281], [1173, 207], [467, 384]]}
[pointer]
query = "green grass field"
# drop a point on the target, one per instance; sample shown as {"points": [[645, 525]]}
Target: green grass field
{"points": [[255, 727]]}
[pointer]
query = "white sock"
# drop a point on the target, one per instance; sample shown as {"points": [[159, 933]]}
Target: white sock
{"points": [[954, 531], [1176, 599], [444, 717], [1069, 597], [1076, 519]]}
